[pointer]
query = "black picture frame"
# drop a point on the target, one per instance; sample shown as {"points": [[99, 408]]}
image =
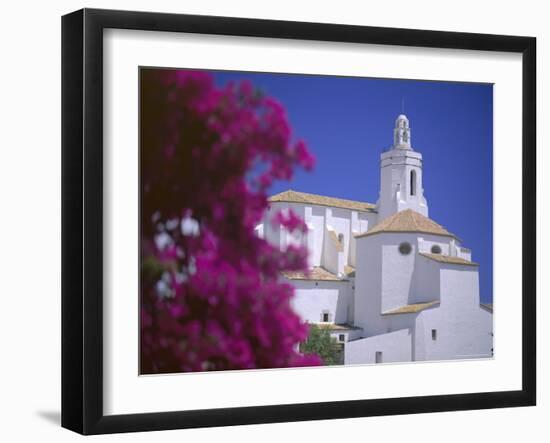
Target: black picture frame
{"points": [[82, 220]]}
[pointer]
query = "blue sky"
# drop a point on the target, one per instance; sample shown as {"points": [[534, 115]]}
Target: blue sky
{"points": [[348, 122]]}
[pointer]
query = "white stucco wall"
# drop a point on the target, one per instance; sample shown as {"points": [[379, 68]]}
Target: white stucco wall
{"points": [[385, 274], [341, 222], [315, 217], [395, 190], [333, 259], [397, 270], [398, 279], [426, 242], [366, 221], [426, 281], [361, 223], [395, 347], [464, 329], [396, 322], [271, 233], [319, 219], [311, 299], [368, 285], [464, 253], [460, 300], [386, 280]]}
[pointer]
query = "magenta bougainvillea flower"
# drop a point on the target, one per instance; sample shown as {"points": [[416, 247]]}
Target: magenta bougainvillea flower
{"points": [[211, 296]]}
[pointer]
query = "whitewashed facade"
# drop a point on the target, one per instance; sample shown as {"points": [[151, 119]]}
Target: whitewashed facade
{"points": [[389, 283]]}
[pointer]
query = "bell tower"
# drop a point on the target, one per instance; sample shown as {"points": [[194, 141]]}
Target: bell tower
{"points": [[402, 133], [401, 175]]}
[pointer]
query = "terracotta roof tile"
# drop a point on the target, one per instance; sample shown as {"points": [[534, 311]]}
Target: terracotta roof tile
{"points": [[337, 326], [349, 270], [447, 259], [317, 273], [407, 221], [411, 309], [291, 196]]}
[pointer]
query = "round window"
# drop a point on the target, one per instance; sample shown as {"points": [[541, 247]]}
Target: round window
{"points": [[405, 248], [436, 249]]}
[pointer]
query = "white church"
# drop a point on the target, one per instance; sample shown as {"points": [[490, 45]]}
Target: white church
{"points": [[389, 283]]}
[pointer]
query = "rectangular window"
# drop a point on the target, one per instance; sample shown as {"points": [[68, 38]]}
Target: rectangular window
{"points": [[378, 357], [325, 317], [434, 334], [342, 337], [413, 182]]}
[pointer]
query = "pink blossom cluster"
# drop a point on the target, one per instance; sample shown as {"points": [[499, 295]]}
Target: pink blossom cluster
{"points": [[211, 295], [289, 220]]}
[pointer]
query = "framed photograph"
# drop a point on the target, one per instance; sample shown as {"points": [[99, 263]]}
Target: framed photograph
{"points": [[269, 221]]}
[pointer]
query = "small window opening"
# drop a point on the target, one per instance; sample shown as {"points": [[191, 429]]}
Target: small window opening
{"points": [[341, 238], [436, 249], [341, 337], [378, 357], [405, 248], [325, 317], [413, 182], [434, 334]]}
